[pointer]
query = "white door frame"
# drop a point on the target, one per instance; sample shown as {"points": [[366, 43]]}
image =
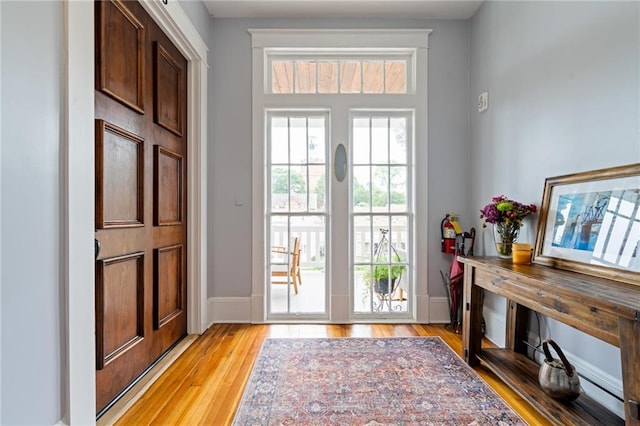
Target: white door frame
{"points": [[78, 371], [262, 39]]}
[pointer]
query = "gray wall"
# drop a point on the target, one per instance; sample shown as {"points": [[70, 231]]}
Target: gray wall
{"points": [[31, 212], [563, 82], [199, 17], [230, 139]]}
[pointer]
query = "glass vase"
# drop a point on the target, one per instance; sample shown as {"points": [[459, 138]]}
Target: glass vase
{"points": [[504, 235]]}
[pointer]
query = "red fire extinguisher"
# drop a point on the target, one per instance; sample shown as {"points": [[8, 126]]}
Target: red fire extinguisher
{"points": [[449, 228]]}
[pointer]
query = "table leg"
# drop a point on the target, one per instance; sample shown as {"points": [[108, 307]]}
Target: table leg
{"points": [[630, 353], [472, 317]]}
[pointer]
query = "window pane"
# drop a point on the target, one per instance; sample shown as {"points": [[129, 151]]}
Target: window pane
{"points": [[349, 77], [395, 77], [361, 141], [361, 189], [362, 249], [381, 252], [398, 181], [305, 77], [310, 74], [317, 142], [310, 231], [399, 237], [279, 140], [372, 76], [298, 138], [398, 141], [279, 262], [328, 77], [380, 188], [279, 189], [281, 77], [379, 140], [317, 188], [298, 185]]}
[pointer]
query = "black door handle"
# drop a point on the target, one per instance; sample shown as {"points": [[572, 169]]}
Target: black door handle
{"points": [[97, 248]]}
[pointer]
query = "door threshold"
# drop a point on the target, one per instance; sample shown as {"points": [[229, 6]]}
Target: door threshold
{"points": [[135, 392]]}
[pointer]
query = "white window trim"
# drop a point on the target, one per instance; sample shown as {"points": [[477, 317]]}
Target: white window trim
{"points": [[331, 39], [264, 39]]}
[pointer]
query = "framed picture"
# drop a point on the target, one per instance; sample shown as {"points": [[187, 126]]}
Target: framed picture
{"points": [[590, 223]]}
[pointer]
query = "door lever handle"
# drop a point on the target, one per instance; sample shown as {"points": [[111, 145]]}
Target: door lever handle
{"points": [[97, 248]]}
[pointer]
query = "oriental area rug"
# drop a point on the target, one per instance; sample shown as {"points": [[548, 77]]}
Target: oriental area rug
{"points": [[367, 381]]}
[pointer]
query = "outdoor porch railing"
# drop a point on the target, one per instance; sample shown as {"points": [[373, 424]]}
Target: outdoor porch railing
{"points": [[313, 242]]}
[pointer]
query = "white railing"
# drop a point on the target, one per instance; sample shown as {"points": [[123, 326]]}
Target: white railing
{"points": [[313, 242]]}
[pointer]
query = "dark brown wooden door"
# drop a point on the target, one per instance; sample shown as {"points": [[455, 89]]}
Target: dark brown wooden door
{"points": [[141, 162]]}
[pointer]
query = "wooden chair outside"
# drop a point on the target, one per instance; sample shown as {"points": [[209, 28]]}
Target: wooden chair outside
{"points": [[293, 274]]}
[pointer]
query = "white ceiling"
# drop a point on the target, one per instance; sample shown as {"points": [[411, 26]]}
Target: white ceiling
{"points": [[441, 9]]}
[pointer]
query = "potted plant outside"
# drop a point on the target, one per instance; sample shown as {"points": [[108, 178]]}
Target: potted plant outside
{"points": [[381, 275]]}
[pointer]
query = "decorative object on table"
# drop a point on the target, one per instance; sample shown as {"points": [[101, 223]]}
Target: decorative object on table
{"points": [[506, 216], [590, 223], [521, 253], [375, 381], [557, 377]]}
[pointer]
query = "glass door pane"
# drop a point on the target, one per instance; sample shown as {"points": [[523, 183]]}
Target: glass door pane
{"points": [[381, 215], [297, 218]]}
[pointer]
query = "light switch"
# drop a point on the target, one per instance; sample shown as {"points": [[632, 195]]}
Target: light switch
{"points": [[483, 102]]}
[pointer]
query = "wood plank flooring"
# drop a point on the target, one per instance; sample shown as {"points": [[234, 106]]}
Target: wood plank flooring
{"points": [[205, 384]]}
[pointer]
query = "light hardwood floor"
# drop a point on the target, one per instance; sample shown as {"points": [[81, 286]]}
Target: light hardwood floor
{"points": [[205, 384]]}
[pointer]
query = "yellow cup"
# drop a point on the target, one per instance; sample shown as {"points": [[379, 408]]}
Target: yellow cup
{"points": [[521, 253]]}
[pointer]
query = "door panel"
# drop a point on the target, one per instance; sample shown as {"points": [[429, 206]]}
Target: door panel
{"points": [[120, 308], [167, 75], [167, 187], [121, 51], [141, 166], [119, 177], [167, 289]]}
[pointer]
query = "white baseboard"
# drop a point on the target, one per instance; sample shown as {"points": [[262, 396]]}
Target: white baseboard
{"points": [[229, 309], [238, 310], [439, 310]]}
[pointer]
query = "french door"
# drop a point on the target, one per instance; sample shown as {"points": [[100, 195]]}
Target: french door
{"points": [[339, 124], [381, 213], [339, 228]]}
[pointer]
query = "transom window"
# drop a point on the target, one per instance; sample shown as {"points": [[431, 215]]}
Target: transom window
{"points": [[298, 73]]}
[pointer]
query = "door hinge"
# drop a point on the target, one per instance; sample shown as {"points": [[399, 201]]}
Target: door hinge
{"points": [[465, 352]]}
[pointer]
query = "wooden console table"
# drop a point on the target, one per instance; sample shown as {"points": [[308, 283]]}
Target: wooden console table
{"points": [[605, 309]]}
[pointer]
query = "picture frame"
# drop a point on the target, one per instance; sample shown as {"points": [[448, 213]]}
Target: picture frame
{"points": [[589, 223]]}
